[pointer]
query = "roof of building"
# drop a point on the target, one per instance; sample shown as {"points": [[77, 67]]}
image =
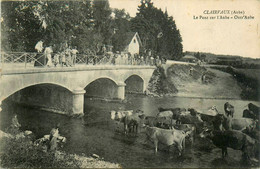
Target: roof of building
{"points": [[130, 36]]}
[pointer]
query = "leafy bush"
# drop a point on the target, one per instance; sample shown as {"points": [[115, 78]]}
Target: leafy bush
{"points": [[22, 153]]}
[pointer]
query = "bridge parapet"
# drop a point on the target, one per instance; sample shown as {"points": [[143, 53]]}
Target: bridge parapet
{"points": [[27, 60]]}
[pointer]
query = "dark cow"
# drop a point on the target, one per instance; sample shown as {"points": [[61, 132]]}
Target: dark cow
{"points": [[249, 114], [229, 109], [252, 131], [189, 119], [255, 109], [193, 112], [167, 137], [161, 122], [231, 138], [169, 109]]}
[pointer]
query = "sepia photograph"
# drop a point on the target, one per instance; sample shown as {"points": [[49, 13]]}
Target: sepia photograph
{"points": [[130, 84]]}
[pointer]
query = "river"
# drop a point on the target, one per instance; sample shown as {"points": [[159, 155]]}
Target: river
{"points": [[95, 134]]}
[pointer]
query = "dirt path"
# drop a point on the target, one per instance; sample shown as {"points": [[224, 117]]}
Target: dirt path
{"points": [[221, 86]]}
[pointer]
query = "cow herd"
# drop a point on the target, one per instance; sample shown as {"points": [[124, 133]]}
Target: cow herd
{"points": [[172, 126]]}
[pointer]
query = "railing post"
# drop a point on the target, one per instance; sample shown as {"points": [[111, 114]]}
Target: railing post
{"points": [[44, 60], [25, 59]]}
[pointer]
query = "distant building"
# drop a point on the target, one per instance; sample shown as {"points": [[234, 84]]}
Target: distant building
{"points": [[132, 43], [189, 58]]}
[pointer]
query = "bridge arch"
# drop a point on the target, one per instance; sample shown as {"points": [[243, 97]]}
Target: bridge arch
{"points": [[18, 86], [94, 78], [104, 87], [134, 84], [48, 96]]}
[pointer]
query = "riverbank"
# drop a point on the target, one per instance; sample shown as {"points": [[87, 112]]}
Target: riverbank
{"points": [[186, 81], [19, 151]]}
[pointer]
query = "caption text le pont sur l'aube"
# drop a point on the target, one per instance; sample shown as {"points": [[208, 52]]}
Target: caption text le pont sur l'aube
{"points": [[223, 14]]}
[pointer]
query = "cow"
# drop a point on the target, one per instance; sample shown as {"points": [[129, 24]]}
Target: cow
{"points": [[229, 109], [249, 114], [237, 123], [252, 131], [117, 115], [128, 118], [255, 109], [167, 137], [191, 128], [167, 113], [161, 122], [175, 111], [193, 112], [232, 139], [169, 109], [213, 111], [189, 119]]}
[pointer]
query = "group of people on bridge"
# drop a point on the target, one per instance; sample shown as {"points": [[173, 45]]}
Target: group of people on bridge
{"points": [[68, 56]]}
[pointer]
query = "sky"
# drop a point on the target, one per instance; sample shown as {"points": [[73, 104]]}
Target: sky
{"points": [[219, 36]]}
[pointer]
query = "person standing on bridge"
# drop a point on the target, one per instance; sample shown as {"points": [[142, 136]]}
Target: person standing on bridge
{"points": [[74, 55], [40, 59], [68, 57], [47, 52]]}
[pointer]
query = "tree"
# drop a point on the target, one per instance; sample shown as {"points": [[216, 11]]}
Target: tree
{"points": [[54, 22], [103, 20], [151, 22], [121, 26]]}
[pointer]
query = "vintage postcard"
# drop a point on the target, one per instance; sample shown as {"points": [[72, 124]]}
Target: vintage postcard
{"points": [[130, 84]]}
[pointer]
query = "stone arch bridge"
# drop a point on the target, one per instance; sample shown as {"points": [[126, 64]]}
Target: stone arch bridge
{"points": [[75, 81]]}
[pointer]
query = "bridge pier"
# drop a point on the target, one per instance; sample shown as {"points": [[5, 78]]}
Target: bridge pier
{"points": [[78, 101], [121, 90]]}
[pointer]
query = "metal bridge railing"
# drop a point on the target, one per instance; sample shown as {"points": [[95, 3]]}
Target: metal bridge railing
{"points": [[13, 60]]}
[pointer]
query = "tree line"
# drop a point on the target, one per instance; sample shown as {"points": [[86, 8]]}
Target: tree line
{"points": [[87, 24]]}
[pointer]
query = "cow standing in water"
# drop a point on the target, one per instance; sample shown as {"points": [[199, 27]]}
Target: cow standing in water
{"points": [[130, 119], [255, 109], [233, 139], [229, 109], [167, 137]]}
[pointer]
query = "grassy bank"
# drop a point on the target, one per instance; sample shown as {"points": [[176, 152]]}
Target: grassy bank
{"points": [[19, 151], [186, 81]]}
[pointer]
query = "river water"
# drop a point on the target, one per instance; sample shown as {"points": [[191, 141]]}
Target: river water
{"points": [[95, 134]]}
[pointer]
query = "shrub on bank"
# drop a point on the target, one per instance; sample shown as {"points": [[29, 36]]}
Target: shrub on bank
{"points": [[22, 153], [19, 151]]}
